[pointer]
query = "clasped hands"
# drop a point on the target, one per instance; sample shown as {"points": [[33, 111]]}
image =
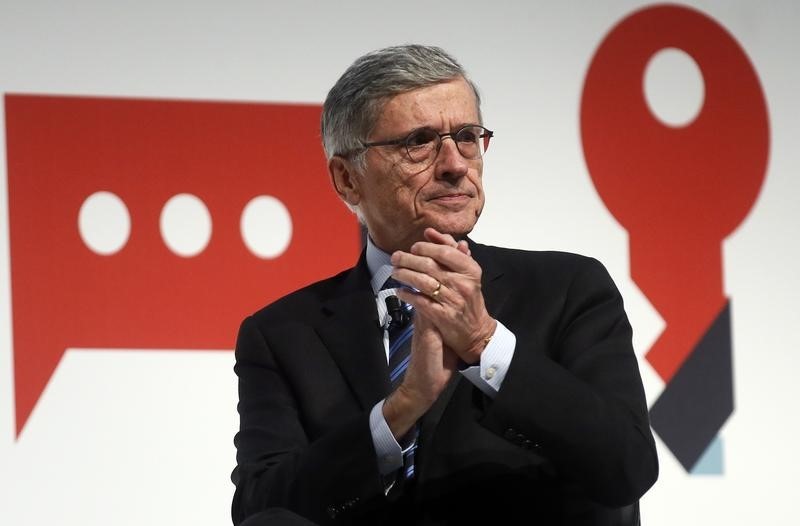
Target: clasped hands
{"points": [[450, 322]]}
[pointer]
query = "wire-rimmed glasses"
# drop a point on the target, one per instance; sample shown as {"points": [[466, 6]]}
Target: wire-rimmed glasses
{"points": [[423, 144]]}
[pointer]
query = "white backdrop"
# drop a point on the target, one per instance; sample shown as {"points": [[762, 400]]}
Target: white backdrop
{"points": [[146, 437]]}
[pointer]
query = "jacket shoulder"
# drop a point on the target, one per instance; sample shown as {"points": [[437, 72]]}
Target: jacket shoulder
{"points": [[549, 261], [301, 303]]}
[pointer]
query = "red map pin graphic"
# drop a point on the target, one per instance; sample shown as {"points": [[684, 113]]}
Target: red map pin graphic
{"points": [[62, 150], [679, 191]]}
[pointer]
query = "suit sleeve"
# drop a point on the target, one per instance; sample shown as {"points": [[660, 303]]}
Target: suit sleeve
{"points": [[575, 393], [278, 463]]}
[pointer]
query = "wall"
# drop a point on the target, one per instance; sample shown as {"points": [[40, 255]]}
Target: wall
{"points": [[131, 423]]}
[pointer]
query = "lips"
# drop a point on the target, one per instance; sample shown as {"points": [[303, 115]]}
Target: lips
{"points": [[451, 196], [454, 201]]}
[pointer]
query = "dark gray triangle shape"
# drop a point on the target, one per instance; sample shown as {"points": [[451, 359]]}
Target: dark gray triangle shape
{"points": [[699, 399]]}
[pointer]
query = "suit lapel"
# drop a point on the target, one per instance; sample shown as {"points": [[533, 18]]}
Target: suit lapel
{"points": [[354, 338], [495, 289], [430, 421]]}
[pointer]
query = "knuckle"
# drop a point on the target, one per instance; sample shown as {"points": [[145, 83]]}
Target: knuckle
{"points": [[429, 264]]}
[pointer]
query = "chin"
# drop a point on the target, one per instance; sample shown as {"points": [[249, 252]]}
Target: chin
{"points": [[456, 229], [457, 224]]}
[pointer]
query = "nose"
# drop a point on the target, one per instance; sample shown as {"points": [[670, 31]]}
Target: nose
{"points": [[450, 164]]}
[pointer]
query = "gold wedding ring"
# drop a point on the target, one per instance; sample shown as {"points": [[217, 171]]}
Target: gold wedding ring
{"points": [[435, 293]]}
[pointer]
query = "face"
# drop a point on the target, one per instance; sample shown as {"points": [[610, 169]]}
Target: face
{"points": [[397, 199]]}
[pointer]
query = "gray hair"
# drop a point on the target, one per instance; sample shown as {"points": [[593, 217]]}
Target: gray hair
{"points": [[354, 103]]}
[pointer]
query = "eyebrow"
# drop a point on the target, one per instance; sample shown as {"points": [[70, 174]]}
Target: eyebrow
{"points": [[437, 130]]}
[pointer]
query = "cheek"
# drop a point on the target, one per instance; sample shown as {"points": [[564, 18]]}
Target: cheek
{"points": [[409, 187], [477, 177], [406, 201]]}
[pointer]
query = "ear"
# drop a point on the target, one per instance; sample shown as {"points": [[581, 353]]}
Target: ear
{"points": [[345, 179]]}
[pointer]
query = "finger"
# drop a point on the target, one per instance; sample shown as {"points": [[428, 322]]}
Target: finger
{"points": [[451, 258], [424, 305], [434, 236], [418, 263], [424, 283]]}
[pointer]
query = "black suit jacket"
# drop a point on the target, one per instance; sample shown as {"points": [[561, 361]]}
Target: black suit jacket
{"points": [[565, 441]]}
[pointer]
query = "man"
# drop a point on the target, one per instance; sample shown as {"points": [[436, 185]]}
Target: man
{"points": [[521, 400]]}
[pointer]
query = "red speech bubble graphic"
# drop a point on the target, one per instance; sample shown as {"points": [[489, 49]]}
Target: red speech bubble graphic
{"points": [[144, 292]]}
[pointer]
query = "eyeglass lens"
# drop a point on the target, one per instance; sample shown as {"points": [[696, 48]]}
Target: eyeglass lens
{"points": [[424, 144]]}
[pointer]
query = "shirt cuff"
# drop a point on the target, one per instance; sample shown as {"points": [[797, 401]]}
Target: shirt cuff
{"points": [[489, 374], [388, 451]]}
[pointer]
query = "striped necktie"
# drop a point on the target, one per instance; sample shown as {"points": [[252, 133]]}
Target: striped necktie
{"points": [[401, 330]]}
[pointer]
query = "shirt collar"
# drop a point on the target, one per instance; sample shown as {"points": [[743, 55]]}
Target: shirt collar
{"points": [[379, 264]]}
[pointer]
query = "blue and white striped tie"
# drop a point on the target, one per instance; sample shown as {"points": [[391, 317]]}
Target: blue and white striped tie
{"points": [[400, 346], [400, 334]]}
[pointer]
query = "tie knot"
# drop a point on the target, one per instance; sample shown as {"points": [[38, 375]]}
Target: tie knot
{"points": [[391, 283]]}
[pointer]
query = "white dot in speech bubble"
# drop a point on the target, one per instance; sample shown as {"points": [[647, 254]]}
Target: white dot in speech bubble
{"points": [[266, 227], [185, 225], [104, 223], [673, 87]]}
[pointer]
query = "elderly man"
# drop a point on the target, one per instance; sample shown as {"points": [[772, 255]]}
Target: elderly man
{"points": [[439, 381]]}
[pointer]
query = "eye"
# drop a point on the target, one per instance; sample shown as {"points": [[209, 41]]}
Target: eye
{"points": [[469, 135], [423, 137]]}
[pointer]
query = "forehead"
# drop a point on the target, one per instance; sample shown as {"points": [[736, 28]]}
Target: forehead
{"points": [[439, 106]]}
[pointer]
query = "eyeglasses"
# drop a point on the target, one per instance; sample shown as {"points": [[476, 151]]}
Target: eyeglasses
{"points": [[423, 144]]}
